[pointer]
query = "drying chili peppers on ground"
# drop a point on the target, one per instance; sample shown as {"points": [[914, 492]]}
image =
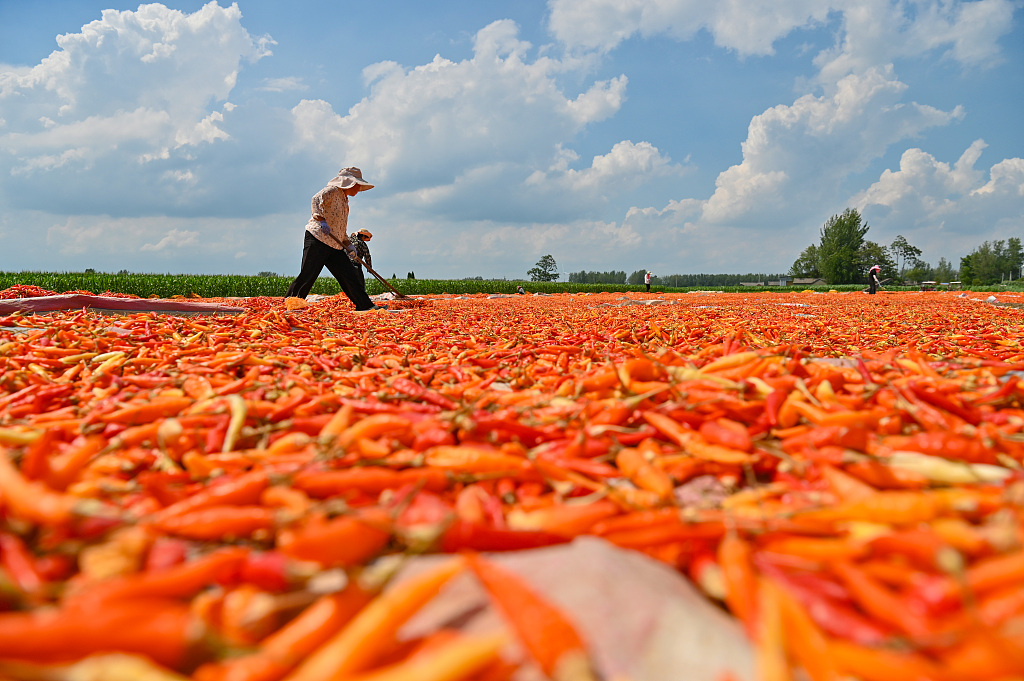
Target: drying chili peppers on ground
{"points": [[229, 497]]}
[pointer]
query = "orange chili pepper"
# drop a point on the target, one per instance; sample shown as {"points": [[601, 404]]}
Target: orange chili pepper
{"points": [[341, 541], [879, 602], [636, 467], [30, 499], [218, 522], [143, 413], [881, 664], [158, 629], [242, 490], [283, 650], [358, 646], [472, 459], [460, 657], [727, 433], [551, 639], [770, 659], [734, 556]]}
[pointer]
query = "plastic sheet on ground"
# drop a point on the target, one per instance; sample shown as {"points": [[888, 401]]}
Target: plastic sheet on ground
{"points": [[641, 620], [77, 301]]}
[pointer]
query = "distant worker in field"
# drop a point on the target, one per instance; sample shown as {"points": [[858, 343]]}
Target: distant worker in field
{"points": [[360, 241], [520, 290], [647, 281], [873, 282], [326, 243]]}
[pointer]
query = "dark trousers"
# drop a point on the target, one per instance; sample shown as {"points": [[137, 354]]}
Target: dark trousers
{"points": [[316, 255]]}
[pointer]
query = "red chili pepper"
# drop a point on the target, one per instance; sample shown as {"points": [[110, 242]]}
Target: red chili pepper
{"points": [[19, 563], [879, 602], [461, 535], [825, 436], [940, 401], [180, 581], [266, 569], [166, 552], [773, 403], [417, 391], [862, 368], [727, 433], [835, 617]]}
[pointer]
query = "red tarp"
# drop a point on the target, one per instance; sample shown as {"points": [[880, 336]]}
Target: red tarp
{"points": [[77, 301]]}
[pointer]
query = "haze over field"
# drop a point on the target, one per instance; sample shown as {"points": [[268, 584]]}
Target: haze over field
{"points": [[674, 136]]}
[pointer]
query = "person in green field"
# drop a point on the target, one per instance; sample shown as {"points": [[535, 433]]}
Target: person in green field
{"points": [[326, 242]]}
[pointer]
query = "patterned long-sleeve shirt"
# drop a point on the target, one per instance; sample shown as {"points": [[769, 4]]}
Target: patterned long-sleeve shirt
{"points": [[362, 250], [332, 204]]}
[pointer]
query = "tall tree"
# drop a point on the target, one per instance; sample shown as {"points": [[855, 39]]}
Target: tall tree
{"points": [[905, 254], [546, 269], [919, 271], [636, 278], [983, 264], [992, 262], [944, 271], [842, 237], [871, 254], [807, 264], [1014, 257], [967, 269]]}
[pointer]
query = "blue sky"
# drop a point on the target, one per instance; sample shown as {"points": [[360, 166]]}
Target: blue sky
{"points": [[669, 135]]}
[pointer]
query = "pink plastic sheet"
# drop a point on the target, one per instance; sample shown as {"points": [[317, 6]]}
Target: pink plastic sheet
{"points": [[641, 620], [77, 301]]}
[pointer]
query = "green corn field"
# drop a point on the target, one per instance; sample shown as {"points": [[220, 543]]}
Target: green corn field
{"points": [[250, 286]]}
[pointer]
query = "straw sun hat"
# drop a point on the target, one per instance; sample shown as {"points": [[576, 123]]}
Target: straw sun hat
{"points": [[348, 178]]}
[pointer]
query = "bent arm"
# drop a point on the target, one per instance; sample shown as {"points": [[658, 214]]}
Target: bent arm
{"points": [[332, 204]]}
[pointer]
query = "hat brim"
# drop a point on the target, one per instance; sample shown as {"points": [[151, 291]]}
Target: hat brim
{"points": [[348, 183]]}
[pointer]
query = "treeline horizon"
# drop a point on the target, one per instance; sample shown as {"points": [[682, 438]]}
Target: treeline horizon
{"points": [[672, 280], [843, 255]]}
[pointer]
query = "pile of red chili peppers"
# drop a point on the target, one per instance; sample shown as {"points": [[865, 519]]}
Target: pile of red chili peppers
{"points": [[216, 497]]}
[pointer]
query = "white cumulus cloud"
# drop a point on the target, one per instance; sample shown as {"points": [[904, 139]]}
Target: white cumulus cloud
{"points": [[428, 124], [874, 32], [948, 207], [444, 133], [794, 154], [176, 238], [127, 88]]}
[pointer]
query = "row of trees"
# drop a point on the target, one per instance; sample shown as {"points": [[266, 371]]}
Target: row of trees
{"points": [[547, 270], [843, 256], [710, 280], [587, 277], [671, 280], [993, 262]]}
